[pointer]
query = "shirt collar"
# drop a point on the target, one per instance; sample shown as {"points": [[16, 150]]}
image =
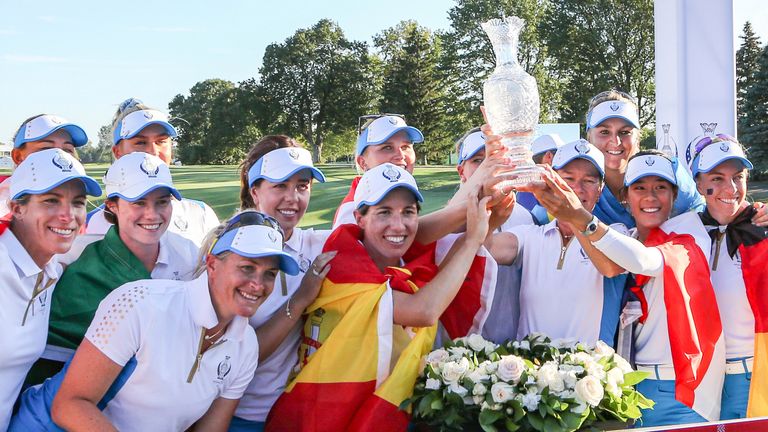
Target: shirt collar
{"points": [[293, 244], [203, 314], [162, 255], [23, 260], [552, 225]]}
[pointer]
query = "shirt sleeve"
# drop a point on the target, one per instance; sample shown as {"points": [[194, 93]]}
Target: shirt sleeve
{"points": [[522, 232], [630, 254], [247, 368], [211, 220], [115, 329]]}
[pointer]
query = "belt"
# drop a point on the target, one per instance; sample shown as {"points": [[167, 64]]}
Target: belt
{"points": [[733, 367], [659, 372]]}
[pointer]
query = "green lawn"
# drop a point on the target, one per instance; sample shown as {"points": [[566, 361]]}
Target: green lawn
{"points": [[219, 186]]}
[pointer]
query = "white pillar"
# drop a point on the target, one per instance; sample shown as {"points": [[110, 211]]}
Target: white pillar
{"points": [[695, 69]]}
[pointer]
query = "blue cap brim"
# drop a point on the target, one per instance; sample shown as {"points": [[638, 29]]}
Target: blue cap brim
{"points": [[471, 155], [415, 192], [173, 191], [747, 164], [78, 135], [673, 181], [91, 187], [629, 121], [287, 263], [414, 135], [169, 129], [253, 174]]}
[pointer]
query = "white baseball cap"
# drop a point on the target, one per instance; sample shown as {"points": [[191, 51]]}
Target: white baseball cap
{"points": [[377, 182], [545, 143], [47, 169], [40, 127], [384, 127], [613, 109], [649, 165], [717, 152], [252, 234], [136, 174], [136, 121], [579, 149], [280, 164], [471, 145]]}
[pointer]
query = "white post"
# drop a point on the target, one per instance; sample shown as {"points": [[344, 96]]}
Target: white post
{"points": [[695, 70]]}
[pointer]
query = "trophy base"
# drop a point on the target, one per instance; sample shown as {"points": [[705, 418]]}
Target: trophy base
{"points": [[523, 175]]}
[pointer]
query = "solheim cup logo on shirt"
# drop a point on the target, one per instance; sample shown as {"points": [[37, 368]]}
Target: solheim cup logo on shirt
{"points": [[614, 106], [150, 167], [391, 174], [223, 370], [61, 162]]}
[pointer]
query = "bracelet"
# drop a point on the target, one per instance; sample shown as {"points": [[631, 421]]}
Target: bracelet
{"points": [[288, 308]]}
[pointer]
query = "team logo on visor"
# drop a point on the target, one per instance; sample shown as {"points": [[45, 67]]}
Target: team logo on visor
{"points": [[582, 148], [181, 224], [150, 168], [293, 154], [223, 370], [614, 106], [60, 161], [392, 121], [649, 161], [148, 115], [391, 174], [724, 147], [272, 236], [56, 120]]}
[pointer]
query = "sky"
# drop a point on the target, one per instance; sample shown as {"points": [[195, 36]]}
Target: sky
{"points": [[80, 59]]}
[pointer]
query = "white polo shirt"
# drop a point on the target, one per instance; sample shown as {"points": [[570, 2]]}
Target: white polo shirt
{"points": [[519, 216], [731, 292], [5, 193], [561, 293], [272, 375], [652, 338], [21, 344], [160, 323], [190, 218]]}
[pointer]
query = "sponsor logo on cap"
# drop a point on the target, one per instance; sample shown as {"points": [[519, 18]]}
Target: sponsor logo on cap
{"points": [[150, 167], [293, 154], [56, 120], [272, 236], [392, 121], [724, 147], [148, 115], [391, 174], [64, 164], [582, 147], [649, 161], [614, 106]]}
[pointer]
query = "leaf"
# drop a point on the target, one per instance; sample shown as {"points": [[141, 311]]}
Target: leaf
{"points": [[489, 417], [436, 404], [635, 377], [511, 425], [535, 421]]}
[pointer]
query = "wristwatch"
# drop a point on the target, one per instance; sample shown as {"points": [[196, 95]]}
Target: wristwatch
{"points": [[591, 227]]}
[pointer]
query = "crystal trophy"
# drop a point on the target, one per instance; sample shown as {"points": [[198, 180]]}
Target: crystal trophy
{"points": [[511, 99], [668, 145]]}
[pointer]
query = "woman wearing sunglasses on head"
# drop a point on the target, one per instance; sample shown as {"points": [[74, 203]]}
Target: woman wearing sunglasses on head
{"points": [[678, 339], [47, 203], [739, 255], [277, 178], [173, 355]]}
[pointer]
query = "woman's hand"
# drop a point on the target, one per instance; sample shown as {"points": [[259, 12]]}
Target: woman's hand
{"points": [[761, 217], [558, 198], [313, 279], [478, 217]]}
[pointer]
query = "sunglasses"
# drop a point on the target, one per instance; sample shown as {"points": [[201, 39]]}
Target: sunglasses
{"points": [[707, 140], [365, 120], [248, 218]]}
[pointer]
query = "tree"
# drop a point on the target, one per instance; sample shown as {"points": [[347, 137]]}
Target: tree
{"points": [[747, 65], [100, 152], [598, 45], [194, 125], [469, 57], [319, 82], [413, 83], [755, 123]]}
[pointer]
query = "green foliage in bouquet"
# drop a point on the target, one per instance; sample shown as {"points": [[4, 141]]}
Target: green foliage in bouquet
{"points": [[530, 385]]}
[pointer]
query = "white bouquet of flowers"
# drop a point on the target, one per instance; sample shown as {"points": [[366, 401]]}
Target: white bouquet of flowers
{"points": [[532, 384]]}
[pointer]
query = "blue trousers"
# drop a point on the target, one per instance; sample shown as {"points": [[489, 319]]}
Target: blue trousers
{"points": [[242, 425], [667, 411], [735, 396]]}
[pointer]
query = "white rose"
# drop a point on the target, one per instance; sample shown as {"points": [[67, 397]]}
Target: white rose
{"points": [[589, 390], [525, 345], [569, 378], [550, 377], [622, 364], [478, 375], [479, 390], [488, 367], [436, 357], [433, 384], [502, 392], [613, 389], [458, 389], [490, 347], [615, 376], [476, 342], [510, 368], [478, 399], [596, 370], [603, 350], [458, 352], [531, 401], [454, 371], [569, 343]]}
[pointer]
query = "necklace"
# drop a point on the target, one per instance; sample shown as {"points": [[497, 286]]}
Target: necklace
{"points": [[215, 335]]}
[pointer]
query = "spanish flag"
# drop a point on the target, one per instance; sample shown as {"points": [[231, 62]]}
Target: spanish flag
{"points": [[347, 205], [754, 259], [356, 365], [693, 321]]}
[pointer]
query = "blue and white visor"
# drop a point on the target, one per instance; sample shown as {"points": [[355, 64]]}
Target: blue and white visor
{"points": [[716, 153], [471, 145], [256, 241], [377, 182], [649, 165], [136, 174], [45, 170], [384, 127], [579, 149], [613, 109], [545, 143], [40, 127], [280, 164], [135, 122]]}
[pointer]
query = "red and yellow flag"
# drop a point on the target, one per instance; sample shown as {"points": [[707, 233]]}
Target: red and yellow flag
{"points": [[753, 268]]}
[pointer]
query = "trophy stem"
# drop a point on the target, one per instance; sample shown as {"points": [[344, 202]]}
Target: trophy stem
{"points": [[519, 153]]}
